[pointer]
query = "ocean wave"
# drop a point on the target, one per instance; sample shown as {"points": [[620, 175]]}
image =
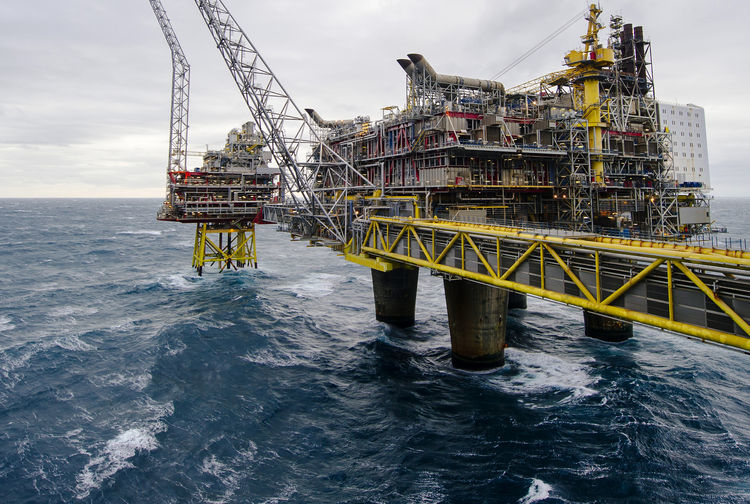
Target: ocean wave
{"points": [[538, 490], [6, 323], [275, 358], [73, 343], [315, 285], [70, 310], [534, 372], [179, 282], [132, 380], [152, 232], [116, 453], [114, 457], [229, 473]]}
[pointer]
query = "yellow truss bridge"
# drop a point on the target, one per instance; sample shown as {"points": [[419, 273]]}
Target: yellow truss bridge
{"points": [[699, 292]]}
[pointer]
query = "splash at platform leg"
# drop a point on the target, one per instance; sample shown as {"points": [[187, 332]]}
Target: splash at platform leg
{"points": [[516, 300], [477, 316], [606, 328], [395, 295]]}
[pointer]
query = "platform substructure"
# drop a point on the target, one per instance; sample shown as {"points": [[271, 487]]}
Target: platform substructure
{"points": [[233, 247], [516, 300], [395, 294], [606, 328], [477, 316]]}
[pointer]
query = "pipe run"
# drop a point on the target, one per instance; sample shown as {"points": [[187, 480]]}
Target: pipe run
{"points": [[327, 124], [418, 63]]}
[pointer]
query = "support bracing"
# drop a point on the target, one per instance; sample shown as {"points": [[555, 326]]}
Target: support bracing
{"points": [[225, 247]]}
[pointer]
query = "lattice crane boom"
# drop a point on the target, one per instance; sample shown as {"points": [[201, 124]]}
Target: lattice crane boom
{"points": [[178, 123], [303, 158]]}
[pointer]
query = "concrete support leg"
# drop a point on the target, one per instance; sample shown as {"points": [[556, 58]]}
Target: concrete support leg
{"points": [[606, 328], [477, 316], [516, 300], [395, 295]]}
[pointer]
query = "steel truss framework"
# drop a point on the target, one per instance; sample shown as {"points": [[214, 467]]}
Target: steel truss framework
{"points": [[178, 122], [674, 287], [629, 98], [235, 247], [314, 176], [576, 171]]}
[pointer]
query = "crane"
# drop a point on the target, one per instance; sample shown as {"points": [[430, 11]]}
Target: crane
{"points": [[178, 120], [315, 177]]}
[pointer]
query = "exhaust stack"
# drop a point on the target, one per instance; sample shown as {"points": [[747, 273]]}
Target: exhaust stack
{"points": [[327, 124], [420, 64]]}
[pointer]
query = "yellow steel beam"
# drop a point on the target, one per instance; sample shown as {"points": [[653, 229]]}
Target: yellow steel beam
{"points": [[633, 281], [713, 297], [375, 263], [447, 248], [421, 245], [570, 273], [707, 334], [634, 247], [519, 261], [480, 256]]}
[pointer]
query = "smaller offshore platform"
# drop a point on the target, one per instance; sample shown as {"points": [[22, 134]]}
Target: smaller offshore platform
{"points": [[225, 196]]}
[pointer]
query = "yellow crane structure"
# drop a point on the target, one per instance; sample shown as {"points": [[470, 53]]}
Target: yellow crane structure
{"points": [[589, 64]]}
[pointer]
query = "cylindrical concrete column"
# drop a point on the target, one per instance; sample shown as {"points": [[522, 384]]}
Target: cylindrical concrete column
{"points": [[477, 316], [516, 300], [395, 295], [606, 328]]}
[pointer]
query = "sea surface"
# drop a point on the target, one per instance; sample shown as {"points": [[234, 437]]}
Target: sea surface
{"points": [[124, 377]]}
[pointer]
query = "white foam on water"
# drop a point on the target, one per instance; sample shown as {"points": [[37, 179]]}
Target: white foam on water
{"points": [[131, 380], [541, 372], [273, 358], [117, 452], [69, 310], [152, 232], [5, 323], [315, 285], [10, 366], [225, 473], [178, 348], [538, 490], [114, 457], [73, 343], [177, 282]]}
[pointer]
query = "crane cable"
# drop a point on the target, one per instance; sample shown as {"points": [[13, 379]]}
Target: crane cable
{"points": [[540, 44]]}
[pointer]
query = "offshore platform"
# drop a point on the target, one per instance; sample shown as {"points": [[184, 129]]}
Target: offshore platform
{"points": [[562, 187]]}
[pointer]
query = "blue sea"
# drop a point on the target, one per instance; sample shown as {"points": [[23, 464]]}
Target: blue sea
{"points": [[125, 377]]}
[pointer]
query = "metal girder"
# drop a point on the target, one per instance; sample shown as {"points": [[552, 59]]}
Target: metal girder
{"points": [[704, 293], [294, 143], [178, 123]]}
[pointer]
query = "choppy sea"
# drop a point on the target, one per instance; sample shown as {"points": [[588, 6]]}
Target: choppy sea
{"points": [[124, 377]]}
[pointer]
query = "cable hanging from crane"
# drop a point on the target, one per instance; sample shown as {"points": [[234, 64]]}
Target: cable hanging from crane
{"points": [[540, 44]]}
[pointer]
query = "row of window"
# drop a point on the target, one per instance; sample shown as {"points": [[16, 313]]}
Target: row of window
{"points": [[685, 169], [664, 111], [682, 123]]}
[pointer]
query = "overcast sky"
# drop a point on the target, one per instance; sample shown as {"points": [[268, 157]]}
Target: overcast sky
{"points": [[85, 84]]}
